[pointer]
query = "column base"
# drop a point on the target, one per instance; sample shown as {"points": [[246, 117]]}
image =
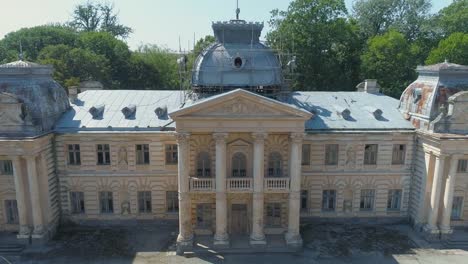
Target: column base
{"points": [[446, 233], [39, 239], [431, 233], [293, 240], [24, 239], [184, 244], [225, 243], [255, 243]]}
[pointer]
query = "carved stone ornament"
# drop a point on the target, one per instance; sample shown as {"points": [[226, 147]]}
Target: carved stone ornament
{"points": [[220, 137], [240, 107], [182, 138], [350, 155], [123, 156], [125, 208], [297, 137]]}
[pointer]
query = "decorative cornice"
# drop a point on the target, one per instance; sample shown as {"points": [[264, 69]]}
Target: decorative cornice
{"points": [[297, 137], [259, 137], [182, 137], [220, 137]]}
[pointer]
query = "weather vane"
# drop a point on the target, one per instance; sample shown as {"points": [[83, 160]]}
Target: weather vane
{"points": [[237, 10]]}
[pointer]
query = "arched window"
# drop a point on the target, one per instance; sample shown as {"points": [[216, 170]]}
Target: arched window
{"points": [[203, 165], [239, 162], [275, 163]]}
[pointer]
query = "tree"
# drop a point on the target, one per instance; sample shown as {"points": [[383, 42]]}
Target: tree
{"points": [[454, 49], [75, 64], [454, 18], [34, 39], [116, 51], [325, 43], [142, 74], [376, 17], [388, 59], [166, 63], [203, 43], [92, 17]]}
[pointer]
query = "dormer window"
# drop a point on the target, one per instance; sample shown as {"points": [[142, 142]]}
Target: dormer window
{"points": [[238, 62], [161, 112], [97, 111], [417, 95], [129, 111]]}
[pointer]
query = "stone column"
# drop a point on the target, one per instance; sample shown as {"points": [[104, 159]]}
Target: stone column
{"points": [[221, 238], [257, 238], [20, 191], [431, 226], [34, 192], [293, 237], [185, 237], [448, 196]]}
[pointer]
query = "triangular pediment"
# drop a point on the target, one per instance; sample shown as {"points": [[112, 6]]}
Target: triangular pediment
{"points": [[241, 104]]}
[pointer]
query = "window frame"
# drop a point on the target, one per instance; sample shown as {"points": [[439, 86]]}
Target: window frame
{"points": [[273, 215], [329, 198], [142, 154], [398, 154], [462, 166], [205, 220], [332, 152], [171, 152], [304, 200], [106, 202], [369, 157], [104, 151], [460, 212], [77, 203], [6, 167], [203, 164], [306, 151], [394, 200], [11, 212], [145, 202], [241, 170], [367, 198], [172, 201], [275, 165], [74, 154]]}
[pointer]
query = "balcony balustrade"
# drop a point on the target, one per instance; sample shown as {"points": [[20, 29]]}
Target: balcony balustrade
{"points": [[202, 184], [276, 184], [240, 184]]}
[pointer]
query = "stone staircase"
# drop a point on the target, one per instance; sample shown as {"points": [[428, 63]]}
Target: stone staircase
{"points": [[11, 249], [458, 240]]}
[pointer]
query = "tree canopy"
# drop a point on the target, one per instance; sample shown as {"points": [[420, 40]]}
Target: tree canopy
{"points": [[454, 49]]}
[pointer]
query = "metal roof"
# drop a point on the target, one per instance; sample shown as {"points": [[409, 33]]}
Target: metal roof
{"points": [[333, 111], [112, 118]]}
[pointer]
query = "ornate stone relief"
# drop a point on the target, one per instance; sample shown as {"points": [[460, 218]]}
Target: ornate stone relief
{"points": [[350, 155], [123, 156], [240, 107]]}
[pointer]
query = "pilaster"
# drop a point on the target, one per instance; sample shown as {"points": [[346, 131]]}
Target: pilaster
{"points": [[445, 227], [431, 228], [36, 206], [20, 190], [221, 237]]}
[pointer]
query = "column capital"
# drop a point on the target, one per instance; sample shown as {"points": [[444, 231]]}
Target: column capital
{"points": [[297, 137], [182, 137], [442, 155], [220, 137], [457, 156], [259, 136]]}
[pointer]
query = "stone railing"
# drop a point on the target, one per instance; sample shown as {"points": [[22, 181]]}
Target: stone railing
{"points": [[240, 184], [202, 184], [276, 184]]}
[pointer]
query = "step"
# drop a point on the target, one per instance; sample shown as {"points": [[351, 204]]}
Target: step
{"points": [[11, 248]]}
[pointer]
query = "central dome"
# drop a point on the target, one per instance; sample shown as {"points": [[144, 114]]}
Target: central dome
{"points": [[237, 60]]}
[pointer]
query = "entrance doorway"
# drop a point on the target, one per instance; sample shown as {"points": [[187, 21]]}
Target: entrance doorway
{"points": [[239, 221]]}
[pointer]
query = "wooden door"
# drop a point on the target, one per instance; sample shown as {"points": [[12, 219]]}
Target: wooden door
{"points": [[239, 222]]}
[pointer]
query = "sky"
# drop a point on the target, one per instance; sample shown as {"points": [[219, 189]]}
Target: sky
{"points": [[159, 22]]}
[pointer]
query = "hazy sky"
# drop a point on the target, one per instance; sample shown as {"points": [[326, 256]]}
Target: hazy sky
{"points": [[154, 21]]}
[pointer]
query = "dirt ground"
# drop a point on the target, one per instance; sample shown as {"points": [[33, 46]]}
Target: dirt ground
{"points": [[323, 243]]}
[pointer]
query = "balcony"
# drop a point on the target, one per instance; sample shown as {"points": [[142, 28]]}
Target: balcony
{"points": [[240, 184], [276, 184], [202, 184]]}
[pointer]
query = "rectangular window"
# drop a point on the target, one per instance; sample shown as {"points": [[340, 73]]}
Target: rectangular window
{"points": [[394, 200], [367, 200], [457, 207], [204, 216], [74, 155], [103, 154], [11, 208], [370, 154], [171, 154], [462, 166], [304, 200], [144, 202], [273, 214], [305, 154], [106, 202], [328, 200], [142, 154], [399, 154], [172, 201], [77, 202], [331, 154], [6, 167]]}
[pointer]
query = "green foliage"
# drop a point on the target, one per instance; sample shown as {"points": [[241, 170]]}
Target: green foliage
{"points": [[203, 43], [93, 17], [389, 59], [142, 74], [34, 39], [454, 49], [376, 17], [325, 43], [454, 18]]}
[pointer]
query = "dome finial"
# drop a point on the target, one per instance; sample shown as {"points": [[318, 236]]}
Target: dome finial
{"points": [[446, 61], [237, 10]]}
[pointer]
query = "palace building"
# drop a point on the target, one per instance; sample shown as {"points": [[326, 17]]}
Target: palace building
{"points": [[238, 155]]}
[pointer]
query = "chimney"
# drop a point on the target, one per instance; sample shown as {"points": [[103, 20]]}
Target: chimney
{"points": [[73, 93], [369, 86]]}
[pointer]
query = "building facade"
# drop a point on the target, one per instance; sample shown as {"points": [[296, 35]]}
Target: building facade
{"points": [[239, 155]]}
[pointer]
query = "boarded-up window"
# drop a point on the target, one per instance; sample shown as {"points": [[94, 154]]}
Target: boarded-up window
{"points": [[305, 155]]}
